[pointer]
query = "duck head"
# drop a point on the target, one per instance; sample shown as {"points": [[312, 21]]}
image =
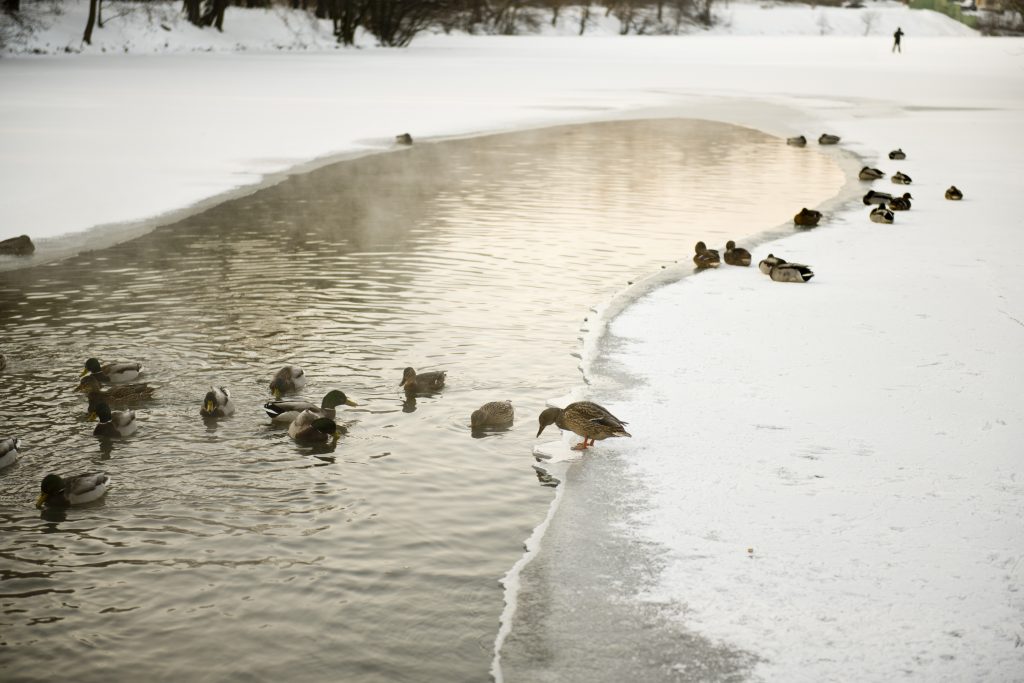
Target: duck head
{"points": [[549, 415], [335, 398], [408, 376], [102, 412], [92, 366], [52, 487]]}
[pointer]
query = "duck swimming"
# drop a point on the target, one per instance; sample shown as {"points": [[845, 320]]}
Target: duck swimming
{"points": [[586, 419], [217, 403], [870, 174], [954, 194], [9, 454], [736, 256], [309, 429], [113, 423], [121, 396], [901, 178], [828, 139], [287, 411], [288, 380], [807, 218], [704, 257], [76, 490], [880, 214], [901, 203], [114, 373], [798, 141], [897, 155], [492, 414], [422, 383]]}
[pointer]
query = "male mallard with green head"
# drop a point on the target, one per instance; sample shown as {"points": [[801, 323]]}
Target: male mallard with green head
{"points": [[586, 419], [309, 429], [115, 373], [113, 423], [807, 218], [704, 257], [736, 256], [217, 403], [9, 454], [492, 414], [63, 491], [873, 197], [288, 380], [422, 383], [287, 411]]}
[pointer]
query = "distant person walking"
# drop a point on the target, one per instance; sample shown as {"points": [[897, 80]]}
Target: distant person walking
{"points": [[896, 40]]}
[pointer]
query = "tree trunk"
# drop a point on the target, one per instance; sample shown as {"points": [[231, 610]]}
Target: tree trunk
{"points": [[584, 18], [192, 12], [90, 22]]}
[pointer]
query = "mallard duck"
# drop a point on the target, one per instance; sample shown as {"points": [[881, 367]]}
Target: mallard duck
{"points": [[901, 178], [790, 272], [287, 411], [9, 454], [587, 419], [880, 214], [704, 257], [403, 139], [76, 490], [954, 194], [897, 155], [217, 403], [901, 203], [828, 139], [288, 380], [798, 141], [113, 423], [119, 396], [867, 173], [807, 218], [493, 414], [313, 430], [736, 256], [423, 383], [766, 264], [873, 197], [115, 373]]}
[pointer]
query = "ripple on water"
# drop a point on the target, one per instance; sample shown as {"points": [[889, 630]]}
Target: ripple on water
{"points": [[378, 559]]}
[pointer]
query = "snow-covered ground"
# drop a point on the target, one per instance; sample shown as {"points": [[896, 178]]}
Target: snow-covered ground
{"points": [[860, 432]]}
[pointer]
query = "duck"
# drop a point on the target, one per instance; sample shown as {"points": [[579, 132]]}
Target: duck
{"points": [[828, 139], [954, 194], [798, 141], [704, 257], [113, 423], [901, 203], [736, 256], [897, 155], [313, 430], [901, 178], [403, 139], [867, 173], [77, 490], [807, 218], [217, 403], [586, 419], [873, 197], [790, 272], [112, 373], [287, 411], [880, 214], [492, 414], [122, 396], [422, 383], [288, 380], [9, 454], [770, 261]]}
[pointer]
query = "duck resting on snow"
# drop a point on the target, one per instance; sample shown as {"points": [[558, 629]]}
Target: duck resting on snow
{"points": [[880, 214], [807, 218], [901, 203], [867, 173], [798, 141], [704, 257], [736, 256], [586, 419]]}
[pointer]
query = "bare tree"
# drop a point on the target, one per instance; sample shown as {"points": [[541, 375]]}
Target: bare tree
{"points": [[396, 22], [11, 6], [90, 22]]}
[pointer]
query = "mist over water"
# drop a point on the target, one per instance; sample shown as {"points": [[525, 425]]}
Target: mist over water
{"points": [[226, 552]]}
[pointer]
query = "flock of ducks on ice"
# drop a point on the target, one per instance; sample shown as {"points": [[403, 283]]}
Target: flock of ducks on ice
{"points": [[309, 423]]}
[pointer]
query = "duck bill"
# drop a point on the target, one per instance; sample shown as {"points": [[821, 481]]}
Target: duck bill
{"points": [[208, 407], [336, 436], [41, 500], [93, 416], [541, 429], [84, 372], [350, 402]]}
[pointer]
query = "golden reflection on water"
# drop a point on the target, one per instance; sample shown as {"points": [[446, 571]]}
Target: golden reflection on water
{"points": [[379, 559]]}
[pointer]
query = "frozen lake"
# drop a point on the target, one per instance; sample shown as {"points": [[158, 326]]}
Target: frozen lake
{"points": [[380, 559]]}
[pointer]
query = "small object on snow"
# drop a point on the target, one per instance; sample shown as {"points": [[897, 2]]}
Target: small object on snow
{"points": [[901, 178], [873, 197], [736, 256], [587, 419], [807, 218], [901, 203], [798, 141], [897, 155], [750, 551], [954, 194], [704, 257], [403, 139], [868, 173], [880, 214], [165, 27], [17, 246], [828, 139]]}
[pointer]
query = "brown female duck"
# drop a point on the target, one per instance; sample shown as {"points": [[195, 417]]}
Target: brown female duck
{"points": [[587, 419], [422, 383]]}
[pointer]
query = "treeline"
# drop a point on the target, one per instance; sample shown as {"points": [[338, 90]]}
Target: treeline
{"points": [[395, 23]]}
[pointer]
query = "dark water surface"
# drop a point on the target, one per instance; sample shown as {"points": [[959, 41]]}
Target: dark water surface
{"points": [[224, 552]]}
